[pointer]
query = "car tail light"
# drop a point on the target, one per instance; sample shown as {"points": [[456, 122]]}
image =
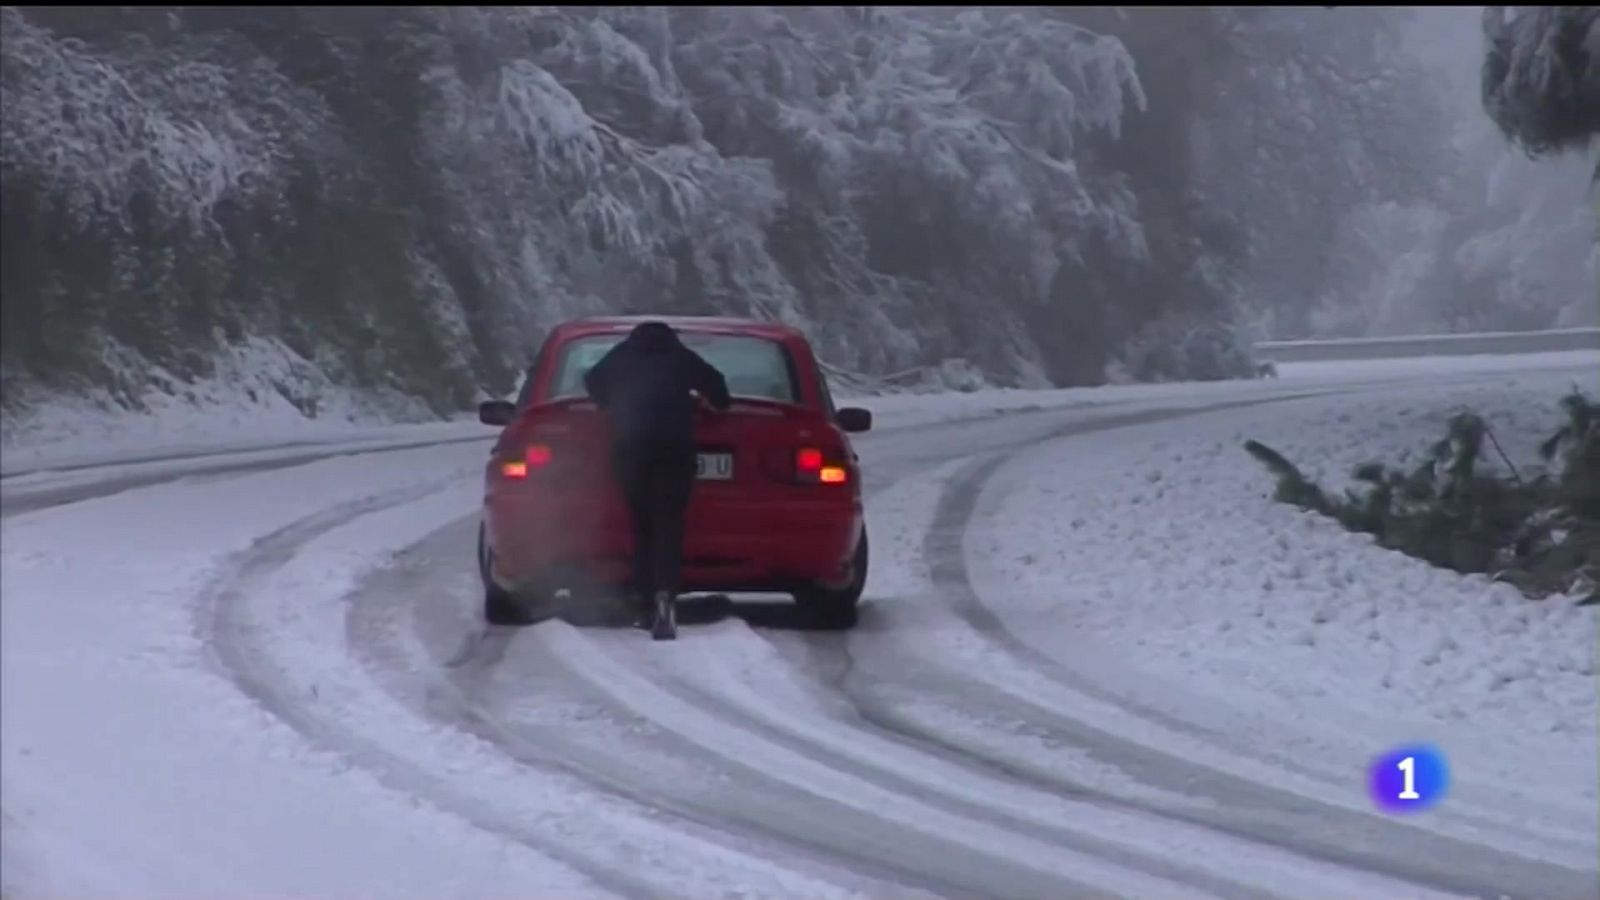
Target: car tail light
{"points": [[812, 466], [536, 456], [808, 459]]}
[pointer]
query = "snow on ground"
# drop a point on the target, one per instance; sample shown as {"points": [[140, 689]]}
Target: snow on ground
{"points": [[943, 677], [131, 440], [132, 768], [134, 764], [29, 484], [123, 744], [1157, 551]]}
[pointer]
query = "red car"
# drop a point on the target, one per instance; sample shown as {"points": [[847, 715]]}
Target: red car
{"points": [[777, 507]]}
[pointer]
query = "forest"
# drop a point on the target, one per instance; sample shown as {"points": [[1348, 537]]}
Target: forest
{"points": [[400, 201]]}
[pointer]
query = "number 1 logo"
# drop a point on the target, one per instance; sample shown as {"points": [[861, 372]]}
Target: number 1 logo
{"points": [[1408, 779]]}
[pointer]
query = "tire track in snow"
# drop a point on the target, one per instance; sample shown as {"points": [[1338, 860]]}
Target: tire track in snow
{"points": [[720, 715], [223, 619], [495, 646], [1337, 835], [942, 543], [485, 648], [710, 713], [945, 539], [752, 798], [240, 660], [975, 854], [748, 817], [1095, 824], [48, 496]]}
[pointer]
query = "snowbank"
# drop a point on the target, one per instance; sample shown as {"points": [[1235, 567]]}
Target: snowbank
{"points": [[910, 410], [260, 396], [1488, 363], [1158, 550]]}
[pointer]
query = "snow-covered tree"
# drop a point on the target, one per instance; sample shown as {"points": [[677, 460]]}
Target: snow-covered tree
{"points": [[1316, 113], [1517, 247], [1529, 256], [1541, 75], [406, 199]]}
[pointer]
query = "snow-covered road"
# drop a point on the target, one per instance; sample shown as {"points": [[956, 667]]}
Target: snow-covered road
{"points": [[269, 678]]}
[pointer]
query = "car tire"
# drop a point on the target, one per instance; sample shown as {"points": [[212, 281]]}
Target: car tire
{"points": [[837, 609], [499, 606]]}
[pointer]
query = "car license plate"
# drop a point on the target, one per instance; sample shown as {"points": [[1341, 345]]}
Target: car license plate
{"points": [[714, 466]]}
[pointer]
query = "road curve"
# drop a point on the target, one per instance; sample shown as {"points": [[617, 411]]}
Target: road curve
{"points": [[756, 758]]}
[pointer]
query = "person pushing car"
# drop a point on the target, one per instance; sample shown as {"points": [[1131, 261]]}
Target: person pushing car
{"points": [[643, 386]]}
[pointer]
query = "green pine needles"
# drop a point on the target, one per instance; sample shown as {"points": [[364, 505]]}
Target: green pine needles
{"points": [[1541, 534]]}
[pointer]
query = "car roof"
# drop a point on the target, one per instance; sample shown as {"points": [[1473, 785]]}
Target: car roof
{"points": [[722, 324]]}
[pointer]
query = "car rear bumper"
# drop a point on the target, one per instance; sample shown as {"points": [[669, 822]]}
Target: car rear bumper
{"points": [[728, 546]]}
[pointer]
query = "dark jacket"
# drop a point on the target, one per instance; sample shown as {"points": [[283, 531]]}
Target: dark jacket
{"points": [[643, 385]]}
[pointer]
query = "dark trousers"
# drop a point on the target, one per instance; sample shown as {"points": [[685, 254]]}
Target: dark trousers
{"points": [[656, 479]]}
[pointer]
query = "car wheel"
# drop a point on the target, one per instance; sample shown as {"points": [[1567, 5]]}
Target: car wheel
{"points": [[838, 608], [499, 607]]}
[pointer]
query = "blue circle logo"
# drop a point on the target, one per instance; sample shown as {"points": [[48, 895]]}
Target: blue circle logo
{"points": [[1408, 779]]}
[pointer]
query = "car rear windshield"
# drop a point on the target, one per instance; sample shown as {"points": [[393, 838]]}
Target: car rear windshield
{"points": [[755, 367]]}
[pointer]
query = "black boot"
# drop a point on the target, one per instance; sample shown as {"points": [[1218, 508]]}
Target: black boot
{"points": [[665, 627]]}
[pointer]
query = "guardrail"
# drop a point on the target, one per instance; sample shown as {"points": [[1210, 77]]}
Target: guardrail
{"points": [[1430, 345]]}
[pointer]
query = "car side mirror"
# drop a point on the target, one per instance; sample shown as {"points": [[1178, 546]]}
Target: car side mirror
{"points": [[854, 420], [496, 412]]}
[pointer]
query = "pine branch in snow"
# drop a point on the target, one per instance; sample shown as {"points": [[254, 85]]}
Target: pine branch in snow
{"points": [[1541, 534]]}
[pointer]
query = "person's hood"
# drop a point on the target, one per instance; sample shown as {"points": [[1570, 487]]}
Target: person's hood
{"points": [[653, 337]]}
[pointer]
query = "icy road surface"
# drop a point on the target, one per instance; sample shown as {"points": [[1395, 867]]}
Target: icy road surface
{"points": [[232, 675]]}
